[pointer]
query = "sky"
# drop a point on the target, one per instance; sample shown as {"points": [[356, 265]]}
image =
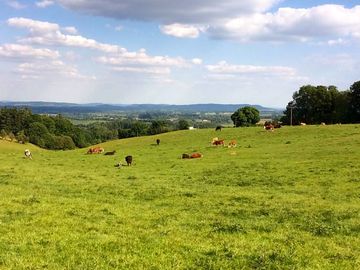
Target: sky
{"points": [[176, 52]]}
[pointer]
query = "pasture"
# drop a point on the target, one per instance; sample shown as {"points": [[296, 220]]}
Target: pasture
{"points": [[288, 199]]}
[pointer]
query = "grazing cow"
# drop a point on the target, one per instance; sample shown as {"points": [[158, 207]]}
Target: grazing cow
{"points": [[27, 153], [232, 143], [157, 141], [129, 160], [218, 128], [277, 125], [269, 127], [323, 124], [110, 153], [96, 150], [218, 142]]}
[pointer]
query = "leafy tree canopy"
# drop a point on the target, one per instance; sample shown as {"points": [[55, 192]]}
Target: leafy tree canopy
{"points": [[246, 116]]}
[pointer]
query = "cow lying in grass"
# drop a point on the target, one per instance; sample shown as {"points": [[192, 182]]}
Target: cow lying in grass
{"points": [[110, 153], [96, 150], [193, 155], [232, 143]]}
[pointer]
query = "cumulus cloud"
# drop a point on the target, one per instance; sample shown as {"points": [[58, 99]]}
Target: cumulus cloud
{"points": [[17, 51], [224, 70], [169, 12], [119, 58], [319, 22], [37, 70], [197, 61], [44, 3], [244, 21], [70, 30], [180, 30]]}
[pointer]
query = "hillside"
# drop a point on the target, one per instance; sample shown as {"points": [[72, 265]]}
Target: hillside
{"points": [[287, 199], [58, 107]]}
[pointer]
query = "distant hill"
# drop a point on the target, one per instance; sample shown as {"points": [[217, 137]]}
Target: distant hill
{"points": [[61, 107]]}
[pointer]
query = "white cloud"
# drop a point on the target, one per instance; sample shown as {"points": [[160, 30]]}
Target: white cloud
{"points": [[44, 3], [339, 41], [180, 30], [224, 71], [17, 51], [244, 21], [15, 4], [197, 61], [57, 68], [45, 33], [70, 30], [146, 70], [321, 22]]}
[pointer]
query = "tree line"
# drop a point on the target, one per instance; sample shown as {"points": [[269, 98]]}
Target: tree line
{"points": [[59, 133], [324, 104]]}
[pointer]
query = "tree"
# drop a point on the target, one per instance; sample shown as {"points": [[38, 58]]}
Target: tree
{"points": [[183, 124], [354, 102], [246, 116], [157, 126], [3, 134], [38, 134], [316, 104], [21, 137]]}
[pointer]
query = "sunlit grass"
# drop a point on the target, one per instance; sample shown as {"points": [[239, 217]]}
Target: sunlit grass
{"points": [[287, 199]]}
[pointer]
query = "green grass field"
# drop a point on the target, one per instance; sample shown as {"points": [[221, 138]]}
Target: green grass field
{"points": [[288, 199]]}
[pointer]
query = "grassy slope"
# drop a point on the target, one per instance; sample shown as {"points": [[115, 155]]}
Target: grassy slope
{"points": [[287, 199]]}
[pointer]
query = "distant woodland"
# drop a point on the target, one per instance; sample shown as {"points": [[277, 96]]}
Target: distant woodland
{"points": [[310, 105]]}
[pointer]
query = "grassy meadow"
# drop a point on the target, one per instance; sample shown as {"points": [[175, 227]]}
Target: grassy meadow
{"points": [[288, 199]]}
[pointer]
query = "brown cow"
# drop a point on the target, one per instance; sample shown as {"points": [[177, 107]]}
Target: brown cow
{"points": [[218, 142], [196, 155], [232, 143], [193, 155], [269, 127], [95, 150]]}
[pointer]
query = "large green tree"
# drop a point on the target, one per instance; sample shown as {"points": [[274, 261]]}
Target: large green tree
{"points": [[246, 116], [354, 102], [317, 104]]}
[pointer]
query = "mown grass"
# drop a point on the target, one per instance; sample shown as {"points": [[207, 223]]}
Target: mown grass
{"points": [[288, 199]]}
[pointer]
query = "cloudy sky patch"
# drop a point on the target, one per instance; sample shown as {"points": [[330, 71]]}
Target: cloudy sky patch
{"points": [[160, 51]]}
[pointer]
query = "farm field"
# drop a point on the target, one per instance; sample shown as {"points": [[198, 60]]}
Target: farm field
{"points": [[288, 199]]}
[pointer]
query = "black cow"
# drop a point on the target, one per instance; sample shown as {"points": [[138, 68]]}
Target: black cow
{"points": [[129, 160], [110, 153], [218, 128], [157, 141]]}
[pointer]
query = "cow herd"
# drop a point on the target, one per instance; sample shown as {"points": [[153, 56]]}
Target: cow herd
{"points": [[129, 159]]}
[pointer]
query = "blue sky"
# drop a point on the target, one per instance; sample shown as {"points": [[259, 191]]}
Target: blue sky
{"points": [[175, 52]]}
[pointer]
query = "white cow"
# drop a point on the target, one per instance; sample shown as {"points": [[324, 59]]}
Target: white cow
{"points": [[28, 153]]}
